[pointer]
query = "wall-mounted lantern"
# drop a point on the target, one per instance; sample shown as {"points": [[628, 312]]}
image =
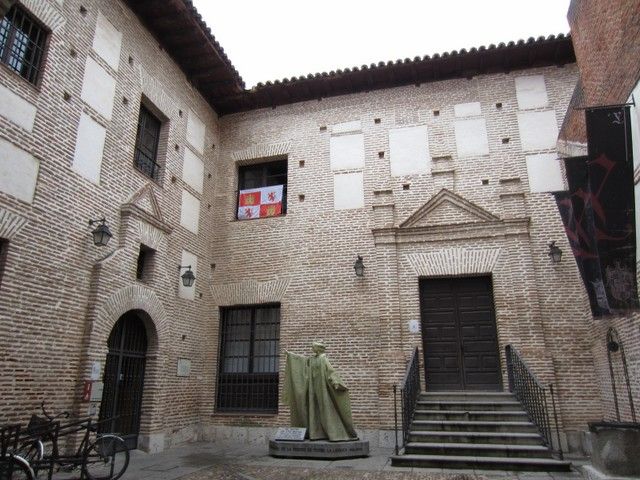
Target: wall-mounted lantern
{"points": [[555, 252], [359, 267], [101, 234], [188, 278]]}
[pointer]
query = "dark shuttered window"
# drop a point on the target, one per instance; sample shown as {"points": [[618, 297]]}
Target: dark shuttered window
{"points": [[147, 140], [249, 359]]}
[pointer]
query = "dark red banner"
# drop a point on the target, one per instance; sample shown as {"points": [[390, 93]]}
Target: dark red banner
{"points": [[599, 215]]}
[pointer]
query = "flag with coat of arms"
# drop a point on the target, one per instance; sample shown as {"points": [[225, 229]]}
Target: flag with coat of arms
{"points": [[260, 202]]}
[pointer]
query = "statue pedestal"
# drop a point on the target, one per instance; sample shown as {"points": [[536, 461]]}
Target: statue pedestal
{"points": [[318, 449]]}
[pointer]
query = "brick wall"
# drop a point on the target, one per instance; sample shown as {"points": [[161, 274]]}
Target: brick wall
{"points": [[60, 295], [541, 308], [606, 39]]}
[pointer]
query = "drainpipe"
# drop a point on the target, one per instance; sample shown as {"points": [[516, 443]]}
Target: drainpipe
{"points": [[5, 5]]}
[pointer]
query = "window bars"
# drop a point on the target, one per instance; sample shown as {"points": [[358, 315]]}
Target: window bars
{"points": [[249, 359], [22, 43]]}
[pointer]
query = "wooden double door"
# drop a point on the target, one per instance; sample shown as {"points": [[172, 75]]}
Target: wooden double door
{"points": [[459, 334]]}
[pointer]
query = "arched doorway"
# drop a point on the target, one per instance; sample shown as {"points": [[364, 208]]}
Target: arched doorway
{"points": [[124, 378]]}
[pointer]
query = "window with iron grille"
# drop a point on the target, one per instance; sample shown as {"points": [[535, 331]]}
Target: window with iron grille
{"points": [[147, 140], [252, 177], [22, 43], [4, 247], [249, 359]]}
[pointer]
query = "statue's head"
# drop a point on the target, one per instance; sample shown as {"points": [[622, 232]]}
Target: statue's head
{"points": [[318, 348]]}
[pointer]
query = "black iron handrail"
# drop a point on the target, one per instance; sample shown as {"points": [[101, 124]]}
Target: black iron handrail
{"points": [[533, 397], [409, 393]]}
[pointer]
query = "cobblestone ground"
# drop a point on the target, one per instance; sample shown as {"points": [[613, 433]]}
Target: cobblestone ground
{"points": [[241, 472]]}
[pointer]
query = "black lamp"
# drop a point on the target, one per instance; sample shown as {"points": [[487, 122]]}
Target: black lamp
{"points": [[359, 267], [188, 278], [102, 234], [555, 252]]}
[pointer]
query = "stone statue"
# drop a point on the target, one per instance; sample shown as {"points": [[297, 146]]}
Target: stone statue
{"points": [[318, 398]]}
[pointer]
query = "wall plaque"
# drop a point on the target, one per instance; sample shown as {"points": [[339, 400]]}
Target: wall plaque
{"points": [[184, 367], [291, 433]]}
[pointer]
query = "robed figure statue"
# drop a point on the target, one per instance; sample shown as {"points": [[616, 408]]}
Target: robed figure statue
{"points": [[318, 398]]}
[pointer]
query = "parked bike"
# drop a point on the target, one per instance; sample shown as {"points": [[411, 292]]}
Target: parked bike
{"points": [[99, 456]]}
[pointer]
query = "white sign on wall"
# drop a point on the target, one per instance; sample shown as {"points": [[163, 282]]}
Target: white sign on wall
{"points": [[414, 326], [95, 370], [184, 367]]}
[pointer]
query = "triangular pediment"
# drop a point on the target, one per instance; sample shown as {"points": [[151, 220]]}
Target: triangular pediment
{"points": [[448, 208], [145, 200]]}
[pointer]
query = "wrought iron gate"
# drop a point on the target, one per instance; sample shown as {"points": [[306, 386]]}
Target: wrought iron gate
{"points": [[124, 378]]}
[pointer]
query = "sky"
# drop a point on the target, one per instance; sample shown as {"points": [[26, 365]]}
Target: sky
{"points": [[276, 39]]}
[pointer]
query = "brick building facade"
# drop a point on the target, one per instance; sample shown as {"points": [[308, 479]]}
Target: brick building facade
{"points": [[433, 168]]}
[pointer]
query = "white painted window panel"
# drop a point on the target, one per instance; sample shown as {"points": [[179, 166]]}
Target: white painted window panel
{"points": [[409, 151], [188, 258], [538, 130], [87, 158], [107, 42], [190, 212], [195, 132], [193, 170], [348, 191], [545, 174], [98, 88], [18, 172], [16, 109], [471, 137], [346, 127], [531, 92], [347, 151], [472, 109]]}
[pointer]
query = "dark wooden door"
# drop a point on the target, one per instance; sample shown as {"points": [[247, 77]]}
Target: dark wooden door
{"points": [[124, 379], [459, 334]]}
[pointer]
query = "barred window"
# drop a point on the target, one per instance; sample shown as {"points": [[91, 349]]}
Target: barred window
{"points": [[22, 43], [4, 247], [249, 359], [147, 140]]}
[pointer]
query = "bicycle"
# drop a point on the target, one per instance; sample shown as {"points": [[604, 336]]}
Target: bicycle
{"points": [[12, 466], [99, 456]]}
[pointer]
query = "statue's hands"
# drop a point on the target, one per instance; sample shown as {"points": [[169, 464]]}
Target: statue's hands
{"points": [[339, 387]]}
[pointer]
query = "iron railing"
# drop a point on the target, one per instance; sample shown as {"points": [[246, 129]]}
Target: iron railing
{"points": [[614, 345], [533, 397], [409, 393]]}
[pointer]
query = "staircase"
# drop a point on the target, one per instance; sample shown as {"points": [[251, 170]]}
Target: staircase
{"points": [[481, 430]]}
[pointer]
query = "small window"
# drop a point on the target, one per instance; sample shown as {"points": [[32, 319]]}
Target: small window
{"points": [[262, 190], [249, 359], [22, 43], [147, 140], [145, 258], [4, 247]]}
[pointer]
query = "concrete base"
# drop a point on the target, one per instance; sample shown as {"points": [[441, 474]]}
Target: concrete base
{"points": [[318, 449], [591, 473], [616, 448]]}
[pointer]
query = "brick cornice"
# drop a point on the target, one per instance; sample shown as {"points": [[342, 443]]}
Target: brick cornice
{"points": [[250, 292], [454, 261], [10, 224]]}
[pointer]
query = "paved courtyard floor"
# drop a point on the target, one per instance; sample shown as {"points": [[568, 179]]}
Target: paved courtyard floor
{"points": [[214, 461]]}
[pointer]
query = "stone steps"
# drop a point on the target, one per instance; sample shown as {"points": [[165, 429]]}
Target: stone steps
{"points": [[472, 415], [477, 449], [476, 437], [479, 430], [482, 463], [508, 405]]}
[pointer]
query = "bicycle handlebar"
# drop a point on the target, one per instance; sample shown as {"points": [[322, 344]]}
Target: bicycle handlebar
{"points": [[52, 418]]}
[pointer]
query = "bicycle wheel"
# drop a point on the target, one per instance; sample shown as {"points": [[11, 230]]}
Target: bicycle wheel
{"points": [[15, 468], [33, 453], [106, 459]]}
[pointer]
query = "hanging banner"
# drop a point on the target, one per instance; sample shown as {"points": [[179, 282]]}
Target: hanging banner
{"points": [[260, 202], [577, 216], [598, 212], [611, 183]]}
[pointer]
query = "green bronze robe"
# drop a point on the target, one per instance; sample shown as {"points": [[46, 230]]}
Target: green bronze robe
{"points": [[318, 399]]}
